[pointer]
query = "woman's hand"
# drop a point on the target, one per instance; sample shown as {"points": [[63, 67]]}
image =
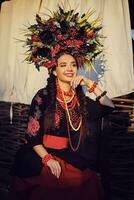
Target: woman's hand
{"points": [[81, 80], [54, 167], [52, 163]]}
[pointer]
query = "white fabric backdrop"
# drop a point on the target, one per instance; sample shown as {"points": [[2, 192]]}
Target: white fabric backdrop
{"points": [[19, 81]]}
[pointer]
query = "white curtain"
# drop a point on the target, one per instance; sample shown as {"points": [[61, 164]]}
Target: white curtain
{"points": [[19, 81], [119, 78]]}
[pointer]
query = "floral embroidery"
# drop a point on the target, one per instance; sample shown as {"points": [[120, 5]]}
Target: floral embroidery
{"points": [[57, 119], [37, 112], [75, 116], [38, 99], [33, 126], [58, 115]]}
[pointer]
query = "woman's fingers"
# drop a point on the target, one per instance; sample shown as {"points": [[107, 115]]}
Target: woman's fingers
{"points": [[80, 80], [54, 167], [57, 169], [76, 81]]}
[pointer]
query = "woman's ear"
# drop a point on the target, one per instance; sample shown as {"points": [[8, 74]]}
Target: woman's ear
{"points": [[54, 72]]}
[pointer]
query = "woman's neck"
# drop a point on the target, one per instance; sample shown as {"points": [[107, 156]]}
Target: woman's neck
{"points": [[64, 89], [64, 86]]}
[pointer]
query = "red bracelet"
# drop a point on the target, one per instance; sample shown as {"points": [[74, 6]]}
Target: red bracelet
{"points": [[46, 158], [91, 89]]}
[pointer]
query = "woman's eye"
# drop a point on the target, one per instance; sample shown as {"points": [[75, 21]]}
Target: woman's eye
{"points": [[74, 65], [62, 65]]}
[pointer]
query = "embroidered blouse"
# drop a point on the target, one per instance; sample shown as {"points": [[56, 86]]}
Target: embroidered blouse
{"points": [[87, 149]]}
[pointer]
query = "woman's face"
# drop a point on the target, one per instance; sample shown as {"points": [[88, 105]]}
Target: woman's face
{"points": [[66, 68]]}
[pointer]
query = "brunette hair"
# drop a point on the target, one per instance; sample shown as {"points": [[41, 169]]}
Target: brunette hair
{"points": [[50, 102]]}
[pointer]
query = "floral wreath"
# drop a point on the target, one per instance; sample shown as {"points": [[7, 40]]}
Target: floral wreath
{"points": [[67, 32]]}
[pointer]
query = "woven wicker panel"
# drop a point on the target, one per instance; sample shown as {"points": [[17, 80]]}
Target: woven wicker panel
{"points": [[117, 157], [11, 136]]}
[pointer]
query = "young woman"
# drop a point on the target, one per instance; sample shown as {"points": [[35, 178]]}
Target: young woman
{"points": [[57, 159]]}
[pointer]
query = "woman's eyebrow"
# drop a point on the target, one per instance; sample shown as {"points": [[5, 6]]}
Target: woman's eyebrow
{"points": [[73, 62], [62, 63], [66, 62]]}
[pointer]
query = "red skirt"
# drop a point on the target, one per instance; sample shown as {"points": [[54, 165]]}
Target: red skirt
{"points": [[72, 184]]}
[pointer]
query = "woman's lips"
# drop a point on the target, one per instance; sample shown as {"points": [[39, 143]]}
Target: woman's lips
{"points": [[69, 74]]}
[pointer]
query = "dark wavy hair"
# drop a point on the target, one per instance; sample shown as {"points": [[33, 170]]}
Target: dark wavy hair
{"points": [[51, 104]]}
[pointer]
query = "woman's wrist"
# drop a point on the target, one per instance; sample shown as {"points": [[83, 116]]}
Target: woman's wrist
{"points": [[92, 86], [101, 95], [46, 158]]}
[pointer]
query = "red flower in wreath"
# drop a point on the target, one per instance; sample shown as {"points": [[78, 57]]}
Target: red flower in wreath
{"points": [[90, 33], [49, 64], [68, 42], [56, 49], [33, 126], [72, 31], [60, 37], [53, 29], [78, 42], [35, 38], [34, 59]]}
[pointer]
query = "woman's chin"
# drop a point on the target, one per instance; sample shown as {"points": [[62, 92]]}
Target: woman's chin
{"points": [[69, 78], [68, 81]]}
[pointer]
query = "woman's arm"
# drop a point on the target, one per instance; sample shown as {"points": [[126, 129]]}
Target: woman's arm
{"points": [[103, 99], [35, 132], [40, 150]]}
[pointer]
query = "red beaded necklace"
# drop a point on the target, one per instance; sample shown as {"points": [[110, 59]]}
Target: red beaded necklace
{"points": [[71, 93], [61, 98]]}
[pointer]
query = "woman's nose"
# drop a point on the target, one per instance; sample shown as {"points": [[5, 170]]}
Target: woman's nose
{"points": [[69, 67]]}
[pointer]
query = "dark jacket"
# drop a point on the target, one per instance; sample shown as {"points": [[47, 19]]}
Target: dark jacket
{"points": [[28, 163]]}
